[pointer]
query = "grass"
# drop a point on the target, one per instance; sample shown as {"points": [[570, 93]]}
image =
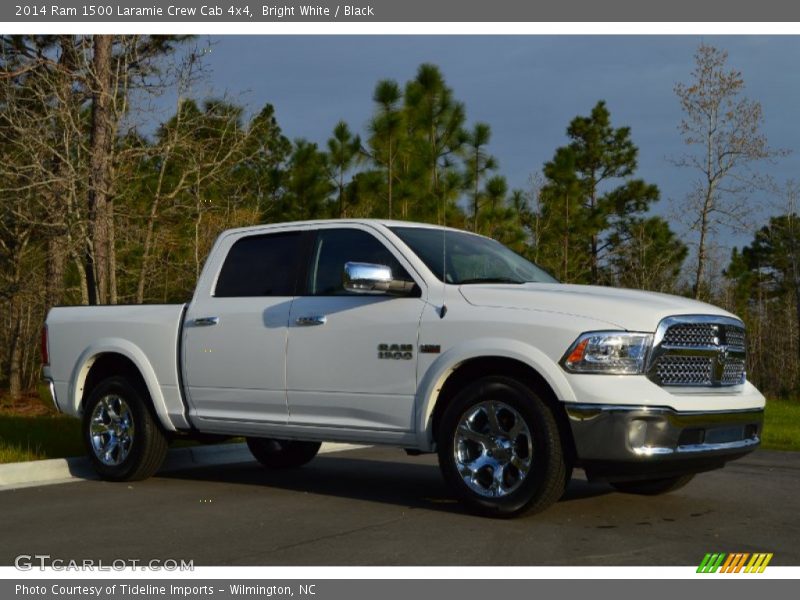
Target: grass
{"points": [[782, 425], [9, 453], [24, 437]]}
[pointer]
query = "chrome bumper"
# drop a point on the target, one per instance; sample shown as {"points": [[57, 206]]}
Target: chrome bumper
{"points": [[51, 386], [613, 440]]}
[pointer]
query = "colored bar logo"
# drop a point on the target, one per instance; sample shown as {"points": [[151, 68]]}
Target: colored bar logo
{"points": [[734, 562]]}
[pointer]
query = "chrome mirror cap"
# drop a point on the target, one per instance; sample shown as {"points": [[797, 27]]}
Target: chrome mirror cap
{"points": [[367, 278]]}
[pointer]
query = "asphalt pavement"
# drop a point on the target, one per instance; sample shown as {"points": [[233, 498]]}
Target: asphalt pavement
{"points": [[377, 506]]}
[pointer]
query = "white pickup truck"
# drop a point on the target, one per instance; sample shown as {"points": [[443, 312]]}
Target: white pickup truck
{"points": [[426, 338]]}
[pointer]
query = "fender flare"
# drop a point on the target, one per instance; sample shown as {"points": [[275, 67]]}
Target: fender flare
{"points": [[136, 356], [437, 374]]}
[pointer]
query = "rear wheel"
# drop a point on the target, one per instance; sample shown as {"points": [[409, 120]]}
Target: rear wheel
{"points": [[500, 450], [282, 454], [653, 487], [123, 439]]}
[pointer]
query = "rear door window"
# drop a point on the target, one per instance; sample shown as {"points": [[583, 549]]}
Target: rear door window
{"points": [[261, 265]]}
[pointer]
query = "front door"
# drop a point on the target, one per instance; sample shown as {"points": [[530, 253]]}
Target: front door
{"points": [[352, 358]]}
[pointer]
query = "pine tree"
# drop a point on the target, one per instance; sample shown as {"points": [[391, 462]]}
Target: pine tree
{"points": [[589, 185], [343, 154]]}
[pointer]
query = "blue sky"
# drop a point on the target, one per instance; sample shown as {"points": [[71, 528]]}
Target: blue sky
{"points": [[527, 88]]}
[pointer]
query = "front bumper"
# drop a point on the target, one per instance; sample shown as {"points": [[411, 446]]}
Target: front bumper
{"points": [[619, 442]]}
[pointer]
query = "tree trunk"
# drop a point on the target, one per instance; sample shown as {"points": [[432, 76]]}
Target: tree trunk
{"points": [[594, 251], [199, 207], [82, 282], [15, 351], [15, 321], [701, 246], [390, 175], [99, 172], [57, 240], [112, 255], [56, 261], [475, 193]]}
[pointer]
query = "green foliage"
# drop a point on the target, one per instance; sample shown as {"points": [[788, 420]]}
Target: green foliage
{"points": [[765, 280], [307, 184], [770, 265], [436, 136], [386, 144], [588, 193], [478, 163], [343, 154], [646, 254]]}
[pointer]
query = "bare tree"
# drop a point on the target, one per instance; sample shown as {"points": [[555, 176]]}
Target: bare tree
{"points": [[723, 130]]}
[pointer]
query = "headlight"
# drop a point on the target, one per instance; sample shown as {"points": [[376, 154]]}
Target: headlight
{"points": [[612, 352]]}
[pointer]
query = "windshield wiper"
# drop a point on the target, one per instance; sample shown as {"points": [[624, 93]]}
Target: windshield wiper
{"points": [[491, 280]]}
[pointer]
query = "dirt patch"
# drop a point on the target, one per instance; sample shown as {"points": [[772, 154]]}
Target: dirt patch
{"points": [[30, 405]]}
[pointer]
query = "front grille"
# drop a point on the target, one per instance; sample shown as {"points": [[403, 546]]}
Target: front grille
{"points": [[690, 334], [684, 370], [733, 372], [686, 335], [734, 336], [698, 351]]}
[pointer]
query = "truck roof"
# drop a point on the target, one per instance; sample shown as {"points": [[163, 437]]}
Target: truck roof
{"points": [[381, 222]]}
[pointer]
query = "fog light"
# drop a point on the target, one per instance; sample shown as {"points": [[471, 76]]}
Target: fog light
{"points": [[637, 433]]}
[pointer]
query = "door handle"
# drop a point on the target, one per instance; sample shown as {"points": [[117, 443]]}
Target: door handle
{"points": [[311, 320], [206, 321]]}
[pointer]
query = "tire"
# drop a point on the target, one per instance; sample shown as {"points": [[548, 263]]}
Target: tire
{"points": [[122, 436], [282, 454], [512, 462], [653, 487]]}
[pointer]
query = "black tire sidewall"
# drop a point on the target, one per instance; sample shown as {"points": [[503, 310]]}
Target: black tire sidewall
{"points": [[142, 422], [548, 461]]}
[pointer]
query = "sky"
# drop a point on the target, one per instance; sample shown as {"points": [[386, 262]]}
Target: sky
{"points": [[527, 88]]}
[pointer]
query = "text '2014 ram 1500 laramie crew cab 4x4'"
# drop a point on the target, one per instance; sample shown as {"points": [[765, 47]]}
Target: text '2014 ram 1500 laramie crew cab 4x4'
{"points": [[422, 337]]}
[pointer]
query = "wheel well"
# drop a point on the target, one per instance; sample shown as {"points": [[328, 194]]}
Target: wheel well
{"points": [[476, 368], [107, 365]]}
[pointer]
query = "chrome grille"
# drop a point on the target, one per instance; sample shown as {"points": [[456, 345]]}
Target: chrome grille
{"points": [[698, 350], [733, 372], [734, 336], [684, 370], [690, 334]]}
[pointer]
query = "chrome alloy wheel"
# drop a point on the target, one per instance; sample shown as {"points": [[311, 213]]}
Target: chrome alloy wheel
{"points": [[111, 430], [493, 449]]}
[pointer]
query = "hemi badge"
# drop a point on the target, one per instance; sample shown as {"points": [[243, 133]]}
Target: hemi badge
{"points": [[430, 348]]}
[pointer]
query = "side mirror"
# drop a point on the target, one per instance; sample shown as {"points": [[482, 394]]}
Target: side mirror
{"points": [[366, 278]]}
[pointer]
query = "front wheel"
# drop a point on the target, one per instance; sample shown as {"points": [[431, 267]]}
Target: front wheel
{"points": [[122, 437], [282, 454], [499, 448], [653, 487]]}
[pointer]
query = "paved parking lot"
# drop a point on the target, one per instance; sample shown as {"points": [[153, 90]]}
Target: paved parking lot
{"points": [[376, 506]]}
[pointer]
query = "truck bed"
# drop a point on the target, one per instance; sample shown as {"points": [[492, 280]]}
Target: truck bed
{"points": [[146, 335]]}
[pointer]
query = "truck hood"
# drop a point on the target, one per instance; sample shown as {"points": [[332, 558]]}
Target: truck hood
{"points": [[633, 310]]}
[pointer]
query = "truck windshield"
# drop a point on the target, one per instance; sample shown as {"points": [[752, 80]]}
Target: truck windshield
{"points": [[469, 258]]}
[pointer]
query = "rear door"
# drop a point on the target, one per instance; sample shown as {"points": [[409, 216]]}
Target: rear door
{"points": [[234, 347], [352, 358]]}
